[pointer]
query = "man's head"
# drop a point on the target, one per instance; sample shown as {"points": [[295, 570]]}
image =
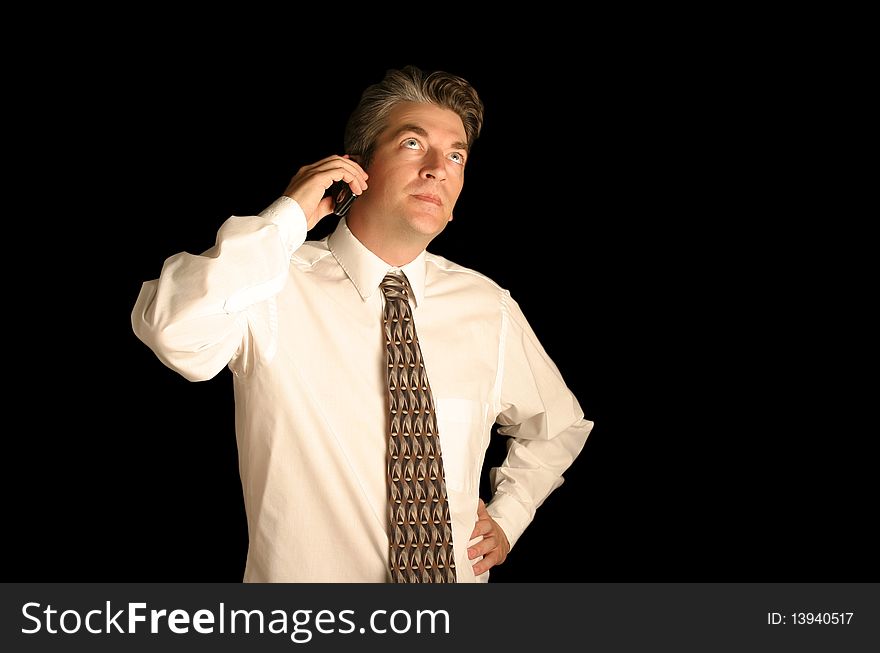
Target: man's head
{"points": [[410, 84], [412, 133]]}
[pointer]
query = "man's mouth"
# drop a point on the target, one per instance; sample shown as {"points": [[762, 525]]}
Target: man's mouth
{"points": [[433, 199]]}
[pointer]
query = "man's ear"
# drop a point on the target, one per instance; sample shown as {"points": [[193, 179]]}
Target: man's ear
{"points": [[359, 159]]}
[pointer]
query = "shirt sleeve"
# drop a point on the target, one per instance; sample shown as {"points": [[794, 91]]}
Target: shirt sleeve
{"points": [[543, 419], [193, 316]]}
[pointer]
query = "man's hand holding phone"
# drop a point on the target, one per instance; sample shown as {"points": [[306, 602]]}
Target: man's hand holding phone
{"points": [[310, 184]]}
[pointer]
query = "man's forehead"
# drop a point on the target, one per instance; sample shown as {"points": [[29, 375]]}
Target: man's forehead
{"points": [[435, 120]]}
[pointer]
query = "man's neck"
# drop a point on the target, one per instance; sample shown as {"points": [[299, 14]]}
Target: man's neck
{"points": [[395, 248]]}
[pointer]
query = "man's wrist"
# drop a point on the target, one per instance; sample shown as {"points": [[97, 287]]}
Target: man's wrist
{"points": [[290, 219]]}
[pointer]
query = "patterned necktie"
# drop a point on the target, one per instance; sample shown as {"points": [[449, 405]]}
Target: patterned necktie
{"points": [[420, 546]]}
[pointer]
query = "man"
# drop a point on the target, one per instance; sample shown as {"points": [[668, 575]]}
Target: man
{"points": [[300, 325]]}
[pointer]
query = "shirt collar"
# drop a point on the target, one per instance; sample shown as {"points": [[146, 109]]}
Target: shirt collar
{"points": [[366, 270]]}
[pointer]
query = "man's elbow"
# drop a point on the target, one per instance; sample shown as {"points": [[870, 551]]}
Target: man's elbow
{"points": [[193, 363]]}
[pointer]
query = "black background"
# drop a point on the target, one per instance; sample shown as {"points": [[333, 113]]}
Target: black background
{"points": [[637, 173]]}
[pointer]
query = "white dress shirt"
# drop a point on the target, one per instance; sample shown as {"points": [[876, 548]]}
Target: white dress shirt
{"points": [[299, 324]]}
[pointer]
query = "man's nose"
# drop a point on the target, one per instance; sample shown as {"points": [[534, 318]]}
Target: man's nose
{"points": [[433, 167]]}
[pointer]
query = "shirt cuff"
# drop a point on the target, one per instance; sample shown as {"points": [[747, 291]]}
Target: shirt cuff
{"points": [[290, 219], [510, 515]]}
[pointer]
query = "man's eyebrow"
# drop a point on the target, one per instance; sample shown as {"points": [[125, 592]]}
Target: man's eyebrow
{"points": [[416, 129]]}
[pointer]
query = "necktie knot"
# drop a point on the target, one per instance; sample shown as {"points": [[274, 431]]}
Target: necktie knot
{"points": [[396, 286]]}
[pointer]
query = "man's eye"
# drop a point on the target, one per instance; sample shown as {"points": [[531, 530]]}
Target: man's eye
{"points": [[457, 157], [411, 143]]}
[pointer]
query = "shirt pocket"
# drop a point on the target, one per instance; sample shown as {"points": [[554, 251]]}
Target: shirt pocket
{"points": [[460, 425]]}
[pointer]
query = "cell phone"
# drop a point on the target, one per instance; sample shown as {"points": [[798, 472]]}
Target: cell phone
{"points": [[343, 197]]}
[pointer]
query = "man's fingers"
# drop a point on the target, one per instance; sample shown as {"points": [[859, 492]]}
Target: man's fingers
{"points": [[482, 527], [489, 560], [336, 168], [482, 547], [356, 181], [344, 164], [493, 547]]}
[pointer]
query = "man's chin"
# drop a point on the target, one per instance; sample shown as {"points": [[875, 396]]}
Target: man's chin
{"points": [[428, 225]]}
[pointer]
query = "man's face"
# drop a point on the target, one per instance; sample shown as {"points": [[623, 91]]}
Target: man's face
{"points": [[417, 170]]}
